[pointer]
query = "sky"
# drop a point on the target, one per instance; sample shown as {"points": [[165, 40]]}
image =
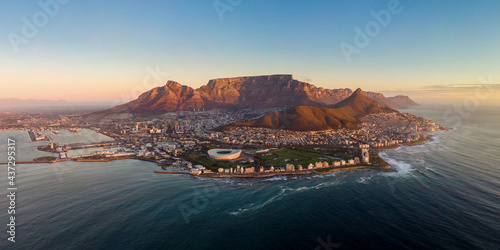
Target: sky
{"points": [[115, 50]]}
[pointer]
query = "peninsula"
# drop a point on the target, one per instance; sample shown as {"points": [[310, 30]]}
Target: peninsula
{"points": [[241, 127]]}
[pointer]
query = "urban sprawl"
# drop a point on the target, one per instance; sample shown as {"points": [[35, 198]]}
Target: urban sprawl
{"points": [[179, 141]]}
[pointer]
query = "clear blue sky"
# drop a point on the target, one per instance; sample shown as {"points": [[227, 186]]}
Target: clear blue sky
{"points": [[99, 50]]}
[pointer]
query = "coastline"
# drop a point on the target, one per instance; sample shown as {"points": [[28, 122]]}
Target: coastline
{"points": [[387, 167], [268, 175], [427, 138], [215, 175], [255, 175], [78, 160]]}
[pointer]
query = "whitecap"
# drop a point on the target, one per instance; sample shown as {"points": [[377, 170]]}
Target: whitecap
{"points": [[364, 180], [253, 207], [283, 192], [401, 168], [276, 178]]}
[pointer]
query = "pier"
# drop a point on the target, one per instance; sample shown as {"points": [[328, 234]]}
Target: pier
{"points": [[32, 135]]}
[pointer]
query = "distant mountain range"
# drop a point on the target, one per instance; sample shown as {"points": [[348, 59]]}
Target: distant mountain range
{"points": [[244, 92], [15, 101], [345, 114], [403, 100]]}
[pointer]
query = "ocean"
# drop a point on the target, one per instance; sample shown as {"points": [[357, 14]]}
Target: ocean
{"points": [[444, 194]]}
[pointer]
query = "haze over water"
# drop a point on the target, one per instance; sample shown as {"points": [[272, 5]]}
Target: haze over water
{"points": [[443, 194]]}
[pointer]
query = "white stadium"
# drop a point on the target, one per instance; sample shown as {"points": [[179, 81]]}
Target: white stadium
{"points": [[224, 154]]}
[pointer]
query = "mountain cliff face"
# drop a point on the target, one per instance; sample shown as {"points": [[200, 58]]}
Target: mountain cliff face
{"points": [[273, 90], [387, 101], [173, 96], [254, 91], [345, 114]]}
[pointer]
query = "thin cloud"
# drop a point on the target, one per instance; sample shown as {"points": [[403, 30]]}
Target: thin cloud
{"points": [[457, 87]]}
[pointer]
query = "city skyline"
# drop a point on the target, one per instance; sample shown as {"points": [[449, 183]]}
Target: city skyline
{"points": [[428, 50]]}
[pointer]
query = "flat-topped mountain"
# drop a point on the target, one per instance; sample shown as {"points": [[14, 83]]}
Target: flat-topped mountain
{"points": [[272, 90], [345, 114], [242, 92]]}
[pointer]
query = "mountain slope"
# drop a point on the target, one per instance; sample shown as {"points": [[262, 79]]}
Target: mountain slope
{"points": [[403, 100], [253, 91], [173, 96], [359, 105], [345, 114]]}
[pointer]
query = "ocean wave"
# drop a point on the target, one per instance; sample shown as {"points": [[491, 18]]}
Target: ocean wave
{"points": [[422, 148], [275, 178], [285, 191], [253, 207], [226, 181], [364, 180], [323, 176], [401, 168]]}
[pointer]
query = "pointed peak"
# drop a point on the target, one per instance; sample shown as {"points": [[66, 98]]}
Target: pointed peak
{"points": [[359, 90]]}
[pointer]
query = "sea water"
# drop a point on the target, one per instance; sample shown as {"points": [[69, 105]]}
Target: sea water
{"points": [[444, 194]]}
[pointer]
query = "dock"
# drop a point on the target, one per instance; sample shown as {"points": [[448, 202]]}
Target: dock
{"points": [[32, 135]]}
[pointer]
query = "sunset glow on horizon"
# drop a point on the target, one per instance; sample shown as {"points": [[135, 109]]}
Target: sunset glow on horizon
{"points": [[97, 51]]}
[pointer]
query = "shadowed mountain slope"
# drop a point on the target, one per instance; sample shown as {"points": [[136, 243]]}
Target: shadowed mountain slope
{"points": [[345, 114]]}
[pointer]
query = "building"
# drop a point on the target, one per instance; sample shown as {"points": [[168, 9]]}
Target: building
{"points": [[249, 170], [63, 155], [365, 156], [224, 154], [196, 171], [318, 165]]}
